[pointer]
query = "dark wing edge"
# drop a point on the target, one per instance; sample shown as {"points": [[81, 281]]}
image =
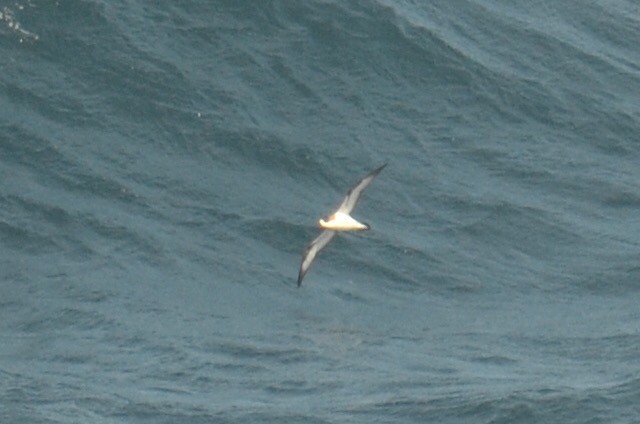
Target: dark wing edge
{"points": [[312, 250], [354, 193]]}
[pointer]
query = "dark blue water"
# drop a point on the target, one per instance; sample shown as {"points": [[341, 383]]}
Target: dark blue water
{"points": [[163, 164]]}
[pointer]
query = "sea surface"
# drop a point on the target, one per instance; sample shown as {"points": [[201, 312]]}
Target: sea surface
{"points": [[163, 166]]}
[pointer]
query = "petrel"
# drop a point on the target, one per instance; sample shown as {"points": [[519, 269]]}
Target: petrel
{"points": [[340, 220]]}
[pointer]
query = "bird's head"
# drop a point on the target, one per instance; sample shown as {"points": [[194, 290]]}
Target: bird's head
{"points": [[323, 222]]}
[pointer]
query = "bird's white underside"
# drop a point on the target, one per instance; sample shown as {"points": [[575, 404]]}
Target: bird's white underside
{"points": [[342, 222]]}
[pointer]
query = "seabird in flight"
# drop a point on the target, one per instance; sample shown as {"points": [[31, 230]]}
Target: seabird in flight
{"points": [[340, 220]]}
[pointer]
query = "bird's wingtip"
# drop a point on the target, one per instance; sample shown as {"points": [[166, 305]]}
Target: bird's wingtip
{"points": [[380, 168]]}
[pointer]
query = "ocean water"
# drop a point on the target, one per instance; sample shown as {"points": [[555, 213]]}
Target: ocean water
{"points": [[163, 164]]}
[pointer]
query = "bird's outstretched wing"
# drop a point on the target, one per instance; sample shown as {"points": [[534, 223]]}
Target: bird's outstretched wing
{"points": [[312, 250], [354, 193]]}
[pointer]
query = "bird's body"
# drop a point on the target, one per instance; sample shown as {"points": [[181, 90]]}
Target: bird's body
{"points": [[340, 220]]}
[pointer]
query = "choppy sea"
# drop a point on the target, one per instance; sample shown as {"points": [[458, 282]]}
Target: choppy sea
{"points": [[163, 166]]}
